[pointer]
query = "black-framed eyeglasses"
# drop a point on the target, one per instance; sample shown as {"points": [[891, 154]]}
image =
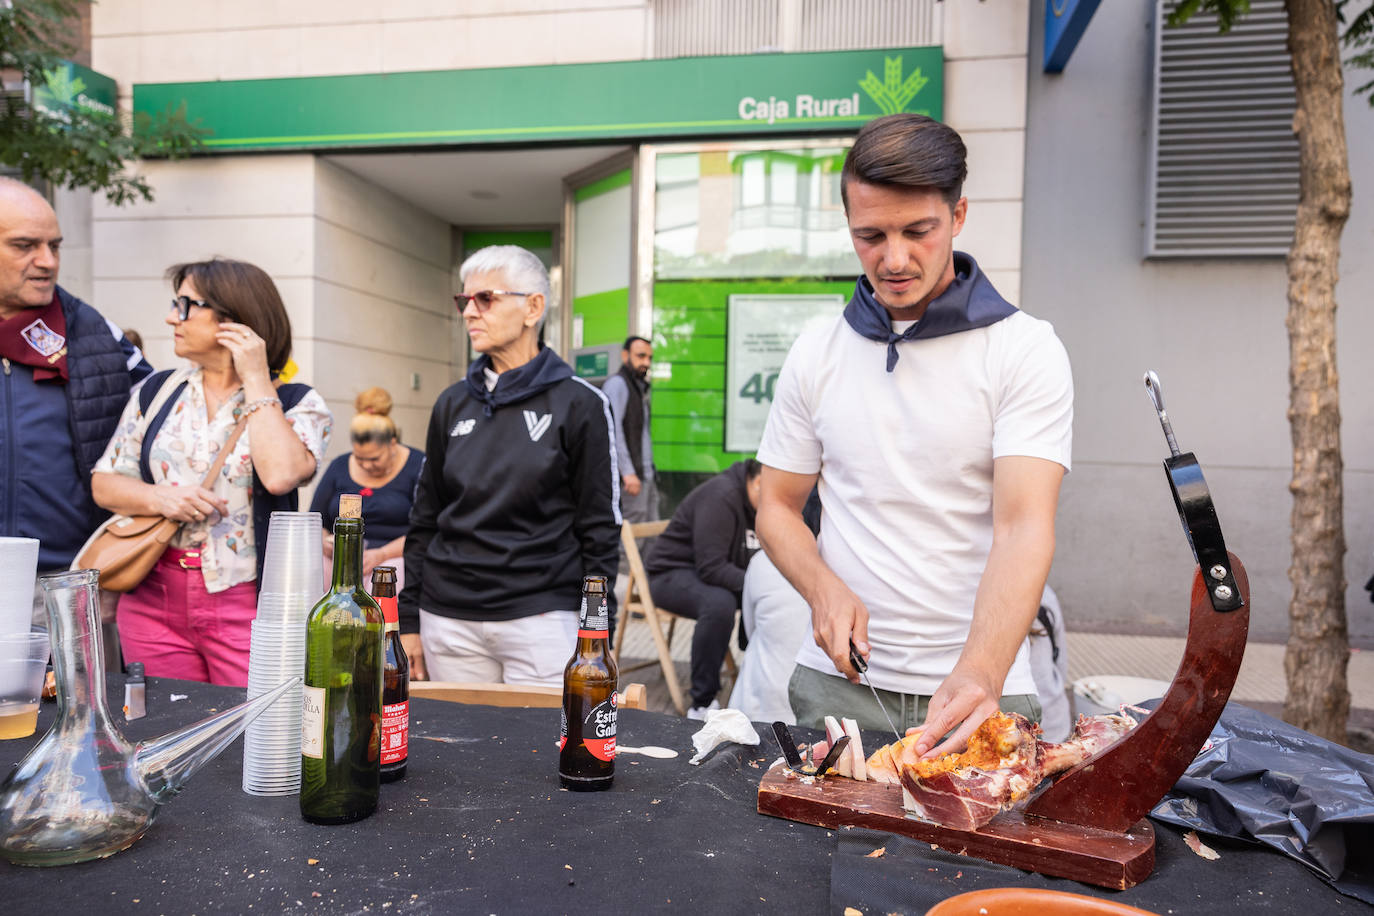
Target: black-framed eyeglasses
{"points": [[183, 304], [484, 298]]}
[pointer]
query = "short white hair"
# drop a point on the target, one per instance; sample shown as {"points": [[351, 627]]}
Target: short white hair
{"points": [[522, 269]]}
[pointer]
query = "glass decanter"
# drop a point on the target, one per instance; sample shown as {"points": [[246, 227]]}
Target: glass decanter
{"points": [[84, 791]]}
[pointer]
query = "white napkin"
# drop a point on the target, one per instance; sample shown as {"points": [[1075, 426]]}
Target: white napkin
{"points": [[723, 725]]}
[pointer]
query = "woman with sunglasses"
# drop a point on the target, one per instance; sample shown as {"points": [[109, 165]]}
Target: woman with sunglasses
{"points": [[517, 499], [190, 617]]}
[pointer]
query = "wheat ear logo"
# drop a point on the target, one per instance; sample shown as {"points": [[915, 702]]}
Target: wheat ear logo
{"points": [[893, 93], [63, 87]]}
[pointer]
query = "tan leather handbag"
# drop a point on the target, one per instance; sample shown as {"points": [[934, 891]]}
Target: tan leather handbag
{"points": [[125, 548]]}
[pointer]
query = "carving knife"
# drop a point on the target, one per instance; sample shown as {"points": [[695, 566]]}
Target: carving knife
{"points": [[861, 666]]}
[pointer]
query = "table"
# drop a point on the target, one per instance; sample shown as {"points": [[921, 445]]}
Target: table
{"points": [[479, 825]]}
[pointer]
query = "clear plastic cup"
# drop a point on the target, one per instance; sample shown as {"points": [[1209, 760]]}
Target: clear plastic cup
{"points": [[293, 561], [23, 661], [19, 572]]}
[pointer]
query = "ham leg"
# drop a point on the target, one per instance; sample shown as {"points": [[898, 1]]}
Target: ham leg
{"points": [[1004, 762]]}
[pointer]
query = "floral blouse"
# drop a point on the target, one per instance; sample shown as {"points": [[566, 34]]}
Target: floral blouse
{"points": [[181, 454]]}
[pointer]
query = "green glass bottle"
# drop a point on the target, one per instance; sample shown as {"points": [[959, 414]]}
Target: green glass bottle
{"points": [[341, 720]]}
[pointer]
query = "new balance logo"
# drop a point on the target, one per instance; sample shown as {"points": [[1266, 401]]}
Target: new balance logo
{"points": [[462, 427], [537, 425]]}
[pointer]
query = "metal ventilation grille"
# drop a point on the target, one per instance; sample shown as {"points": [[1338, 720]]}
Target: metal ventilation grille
{"points": [[843, 25], [1224, 159], [698, 28], [693, 28]]}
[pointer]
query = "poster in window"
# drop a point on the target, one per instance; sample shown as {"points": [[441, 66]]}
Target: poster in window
{"points": [[760, 329]]}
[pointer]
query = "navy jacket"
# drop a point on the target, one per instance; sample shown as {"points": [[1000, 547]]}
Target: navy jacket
{"points": [[518, 498], [51, 434]]}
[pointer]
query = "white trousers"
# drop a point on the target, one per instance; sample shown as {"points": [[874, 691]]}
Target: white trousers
{"points": [[528, 650], [777, 619]]}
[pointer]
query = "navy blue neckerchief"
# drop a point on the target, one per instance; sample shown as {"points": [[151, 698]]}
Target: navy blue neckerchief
{"points": [[969, 302], [515, 385]]}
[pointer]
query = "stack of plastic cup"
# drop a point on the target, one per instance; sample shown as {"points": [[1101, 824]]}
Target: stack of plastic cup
{"points": [[19, 571], [290, 587]]}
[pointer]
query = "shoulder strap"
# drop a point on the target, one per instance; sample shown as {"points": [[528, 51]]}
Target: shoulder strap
{"points": [[209, 482], [154, 404]]}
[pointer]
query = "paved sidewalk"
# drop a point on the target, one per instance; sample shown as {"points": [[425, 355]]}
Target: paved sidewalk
{"points": [[1261, 682]]}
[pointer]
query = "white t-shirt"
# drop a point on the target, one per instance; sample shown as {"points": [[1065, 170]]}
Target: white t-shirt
{"points": [[905, 463]]}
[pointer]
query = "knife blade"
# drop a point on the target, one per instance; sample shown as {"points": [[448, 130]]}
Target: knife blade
{"points": [[861, 666], [134, 693]]}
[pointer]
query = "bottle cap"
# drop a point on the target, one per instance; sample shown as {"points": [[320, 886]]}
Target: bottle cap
{"points": [[350, 506]]}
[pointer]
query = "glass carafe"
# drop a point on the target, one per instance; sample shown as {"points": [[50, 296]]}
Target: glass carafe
{"points": [[84, 791]]}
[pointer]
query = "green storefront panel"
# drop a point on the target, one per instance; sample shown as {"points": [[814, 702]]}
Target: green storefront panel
{"points": [[605, 317], [728, 96], [679, 402], [689, 332]]}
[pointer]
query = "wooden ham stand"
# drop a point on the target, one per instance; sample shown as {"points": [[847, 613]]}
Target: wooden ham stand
{"points": [[1089, 825]]}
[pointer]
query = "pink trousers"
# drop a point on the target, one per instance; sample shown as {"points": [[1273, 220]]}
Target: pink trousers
{"points": [[176, 628]]}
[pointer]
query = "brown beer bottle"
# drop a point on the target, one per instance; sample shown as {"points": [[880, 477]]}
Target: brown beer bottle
{"points": [[395, 680], [586, 750]]}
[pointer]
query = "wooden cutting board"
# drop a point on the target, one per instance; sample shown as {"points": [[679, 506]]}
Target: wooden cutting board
{"points": [[1087, 854]]}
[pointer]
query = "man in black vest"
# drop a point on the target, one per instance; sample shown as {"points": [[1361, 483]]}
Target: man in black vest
{"points": [[628, 392], [67, 374]]}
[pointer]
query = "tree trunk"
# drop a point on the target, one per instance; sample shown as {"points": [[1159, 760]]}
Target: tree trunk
{"points": [[1318, 644]]}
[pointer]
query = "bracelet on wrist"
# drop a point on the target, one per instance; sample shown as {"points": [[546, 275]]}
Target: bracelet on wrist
{"points": [[253, 407]]}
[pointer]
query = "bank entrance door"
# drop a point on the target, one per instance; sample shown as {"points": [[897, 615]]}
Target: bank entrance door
{"points": [[599, 253]]}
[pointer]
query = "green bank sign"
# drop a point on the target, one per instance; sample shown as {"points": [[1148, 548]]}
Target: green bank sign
{"points": [[70, 86], [755, 94]]}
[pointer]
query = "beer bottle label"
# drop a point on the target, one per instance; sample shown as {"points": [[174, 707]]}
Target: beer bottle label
{"points": [[563, 729], [395, 731], [598, 731], [594, 624]]}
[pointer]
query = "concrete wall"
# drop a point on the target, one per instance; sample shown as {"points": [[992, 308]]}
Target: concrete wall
{"points": [[382, 294], [160, 41], [985, 100], [254, 208], [1212, 328]]}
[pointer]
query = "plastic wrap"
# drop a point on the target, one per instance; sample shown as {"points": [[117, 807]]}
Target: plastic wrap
{"points": [[1261, 779]]}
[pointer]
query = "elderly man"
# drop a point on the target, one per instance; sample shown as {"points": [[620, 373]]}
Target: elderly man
{"points": [[937, 418], [67, 375]]}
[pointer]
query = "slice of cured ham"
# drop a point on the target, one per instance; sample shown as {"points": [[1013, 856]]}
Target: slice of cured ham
{"points": [[1004, 762]]}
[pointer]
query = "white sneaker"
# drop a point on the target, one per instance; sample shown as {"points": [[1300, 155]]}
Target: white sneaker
{"points": [[699, 712]]}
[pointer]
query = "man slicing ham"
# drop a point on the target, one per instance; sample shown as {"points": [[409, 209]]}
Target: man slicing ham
{"points": [[937, 418]]}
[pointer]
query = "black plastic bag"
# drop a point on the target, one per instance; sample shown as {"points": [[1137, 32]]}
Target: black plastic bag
{"points": [[1262, 779]]}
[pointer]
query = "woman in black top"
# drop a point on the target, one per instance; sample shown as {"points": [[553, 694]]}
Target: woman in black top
{"points": [[518, 499], [384, 472]]}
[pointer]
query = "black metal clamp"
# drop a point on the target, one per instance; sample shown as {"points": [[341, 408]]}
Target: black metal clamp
{"points": [[1196, 512]]}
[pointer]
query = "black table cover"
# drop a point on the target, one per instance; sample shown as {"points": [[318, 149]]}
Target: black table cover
{"points": [[479, 825]]}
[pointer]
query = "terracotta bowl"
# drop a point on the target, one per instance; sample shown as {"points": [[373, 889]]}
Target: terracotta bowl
{"points": [[1028, 901]]}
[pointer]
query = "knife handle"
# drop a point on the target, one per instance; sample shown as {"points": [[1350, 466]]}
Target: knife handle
{"points": [[856, 659]]}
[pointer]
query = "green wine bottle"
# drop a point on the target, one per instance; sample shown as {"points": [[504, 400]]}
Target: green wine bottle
{"points": [[341, 720]]}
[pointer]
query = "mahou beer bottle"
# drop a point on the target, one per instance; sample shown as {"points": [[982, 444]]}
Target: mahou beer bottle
{"points": [[395, 680], [341, 721], [586, 750]]}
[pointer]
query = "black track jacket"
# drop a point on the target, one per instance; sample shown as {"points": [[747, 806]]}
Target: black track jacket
{"points": [[518, 500]]}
